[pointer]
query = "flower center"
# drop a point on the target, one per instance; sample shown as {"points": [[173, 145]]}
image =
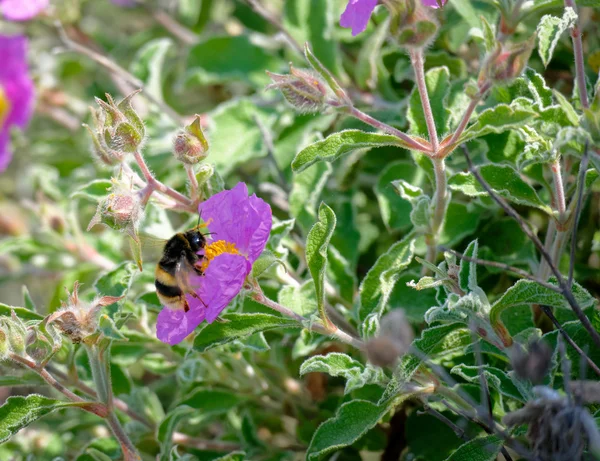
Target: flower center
{"points": [[215, 249], [4, 106]]}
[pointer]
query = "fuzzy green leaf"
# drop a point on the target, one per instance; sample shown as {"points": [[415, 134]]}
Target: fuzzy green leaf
{"points": [[549, 30], [497, 119], [484, 448], [317, 243], [379, 282], [504, 180], [238, 326], [212, 401], [168, 426], [343, 142], [438, 87], [467, 276]]}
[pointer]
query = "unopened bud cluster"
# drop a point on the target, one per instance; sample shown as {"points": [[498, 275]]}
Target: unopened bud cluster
{"points": [[394, 340], [506, 62], [413, 24], [118, 129], [12, 336], [302, 88]]}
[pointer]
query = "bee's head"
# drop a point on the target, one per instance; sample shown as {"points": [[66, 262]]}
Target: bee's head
{"points": [[196, 239]]}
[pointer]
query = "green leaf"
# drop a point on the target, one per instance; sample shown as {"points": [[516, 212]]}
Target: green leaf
{"points": [[238, 326], [352, 420], [369, 57], [317, 243], [340, 143], [95, 190], [20, 312], [467, 275], [117, 281], [529, 292], [148, 65], [503, 180], [27, 379], [236, 138], [438, 87], [207, 402], [300, 299], [337, 364], [484, 448], [306, 191], [313, 21], [264, 262], [497, 119], [468, 13], [497, 379], [444, 339], [168, 426], [19, 412], [461, 221], [376, 287], [230, 58], [549, 30], [538, 88]]}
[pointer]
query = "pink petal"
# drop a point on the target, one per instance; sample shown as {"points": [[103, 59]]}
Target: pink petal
{"points": [[21, 10], [172, 326], [357, 14], [237, 218], [222, 281], [433, 3], [17, 87]]}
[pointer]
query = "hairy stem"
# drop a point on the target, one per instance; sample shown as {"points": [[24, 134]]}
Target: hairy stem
{"points": [[440, 202], [579, 62], [559, 189], [412, 143], [416, 58]]}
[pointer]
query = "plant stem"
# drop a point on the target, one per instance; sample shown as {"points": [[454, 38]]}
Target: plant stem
{"points": [[440, 202], [579, 62], [416, 58], [340, 335], [559, 189], [193, 183], [412, 143], [155, 184]]}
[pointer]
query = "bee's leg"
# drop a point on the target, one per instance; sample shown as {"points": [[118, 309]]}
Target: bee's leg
{"points": [[186, 306]]}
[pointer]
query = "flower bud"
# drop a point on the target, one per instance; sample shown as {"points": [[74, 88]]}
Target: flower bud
{"points": [[532, 364], [121, 210], [506, 63], [119, 128], [3, 344], [303, 89], [413, 23], [77, 319], [191, 146], [36, 345], [14, 333]]}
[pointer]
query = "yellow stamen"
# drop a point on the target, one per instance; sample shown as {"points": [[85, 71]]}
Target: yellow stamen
{"points": [[215, 249], [4, 106]]}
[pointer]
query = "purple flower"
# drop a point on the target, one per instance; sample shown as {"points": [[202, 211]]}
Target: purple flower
{"points": [[240, 227], [434, 3], [21, 10], [356, 15], [16, 91]]}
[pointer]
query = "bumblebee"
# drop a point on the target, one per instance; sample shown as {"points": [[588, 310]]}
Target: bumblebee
{"points": [[179, 261]]}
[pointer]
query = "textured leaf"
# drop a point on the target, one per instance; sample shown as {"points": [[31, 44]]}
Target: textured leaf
{"points": [[395, 209], [497, 379], [504, 180], [438, 87], [300, 299], [484, 448], [496, 120], [20, 312], [379, 282], [19, 412], [168, 426], [343, 142], [467, 275], [337, 364], [549, 30], [238, 326], [317, 243], [529, 292], [117, 281], [307, 187]]}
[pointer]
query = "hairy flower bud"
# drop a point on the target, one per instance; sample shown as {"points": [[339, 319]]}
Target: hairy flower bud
{"points": [[14, 333], [118, 128], [121, 210], [532, 364], [394, 340], [506, 62], [190, 144], [77, 319], [303, 89]]}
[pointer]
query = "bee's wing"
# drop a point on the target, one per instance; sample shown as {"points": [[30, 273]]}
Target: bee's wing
{"points": [[182, 276]]}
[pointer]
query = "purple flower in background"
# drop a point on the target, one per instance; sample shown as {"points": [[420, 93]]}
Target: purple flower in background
{"points": [[434, 3], [356, 15], [240, 226], [16, 91], [21, 10]]}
